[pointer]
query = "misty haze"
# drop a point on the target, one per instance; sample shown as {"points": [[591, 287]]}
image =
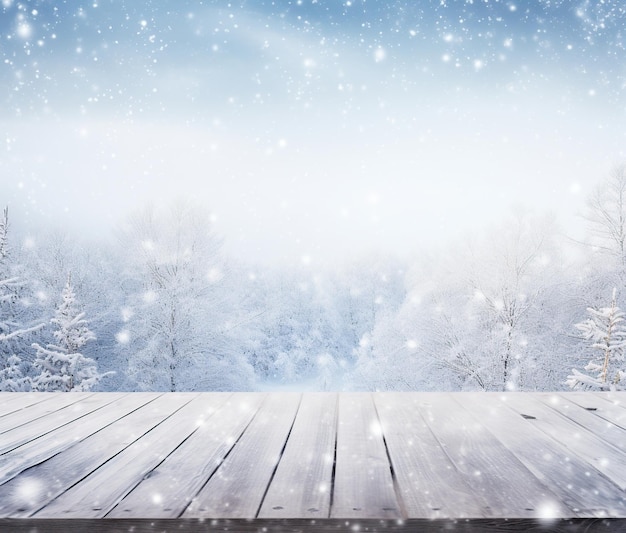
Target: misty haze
{"points": [[312, 195]]}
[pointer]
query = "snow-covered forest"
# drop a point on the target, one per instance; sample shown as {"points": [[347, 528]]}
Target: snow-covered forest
{"points": [[161, 307]]}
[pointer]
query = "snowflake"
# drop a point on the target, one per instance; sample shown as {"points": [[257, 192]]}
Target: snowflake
{"points": [[380, 54], [149, 297], [547, 511], [24, 30], [375, 428], [122, 337], [29, 489], [214, 275]]}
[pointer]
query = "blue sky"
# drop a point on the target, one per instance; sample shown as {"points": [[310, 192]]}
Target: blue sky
{"points": [[315, 129]]}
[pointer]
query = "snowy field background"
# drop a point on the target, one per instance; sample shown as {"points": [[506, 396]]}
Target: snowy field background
{"points": [[312, 194]]}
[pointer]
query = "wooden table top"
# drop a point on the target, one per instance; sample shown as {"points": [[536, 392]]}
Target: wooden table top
{"points": [[312, 461]]}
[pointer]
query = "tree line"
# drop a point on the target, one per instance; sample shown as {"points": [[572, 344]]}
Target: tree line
{"points": [[520, 307]]}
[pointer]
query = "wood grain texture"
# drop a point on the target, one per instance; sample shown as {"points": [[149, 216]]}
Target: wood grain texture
{"points": [[585, 491], [38, 450], [238, 487], [492, 472], [101, 490], [34, 488], [11, 402], [599, 406], [591, 448], [616, 398], [427, 481], [248, 461], [601, 427], [53, 403], [166, 491], [63, 419], [302, 484], [364, 486]]}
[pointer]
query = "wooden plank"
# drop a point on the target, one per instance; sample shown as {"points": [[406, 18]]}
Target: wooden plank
{"points": [[592, 449], [34, 488], [363, 485], [617, 398], [39, 450], [101, 490], [602, 428], [150, 463], [43, 425], [169, 488], [11, 401], [585, 491], [428, 483], [237, 488], [302, 484], [488, 467], [52, 402], [599, 406]]}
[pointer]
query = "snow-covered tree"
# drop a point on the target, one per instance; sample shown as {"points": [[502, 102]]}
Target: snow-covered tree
{"points": [[509, 277], [471, 317], [62, 366], [606, 215], [180, 302], [13, 332], [46, 257], [12, 378], [606, 331], [4, 235]]}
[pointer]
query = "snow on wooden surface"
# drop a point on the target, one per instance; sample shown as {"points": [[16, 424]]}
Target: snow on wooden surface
{"points": [[322, 456], [302, 484]]}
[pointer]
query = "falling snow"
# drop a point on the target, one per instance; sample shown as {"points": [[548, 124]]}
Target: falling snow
{"points": [[312, 134]]}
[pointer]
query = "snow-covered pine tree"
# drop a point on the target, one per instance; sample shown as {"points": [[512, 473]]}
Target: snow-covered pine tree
{"points": [[12, 332], [62, 367], [607, 333], [12, 379]]}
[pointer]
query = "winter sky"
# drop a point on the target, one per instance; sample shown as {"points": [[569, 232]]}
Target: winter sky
{"points": [[312, 129]]}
